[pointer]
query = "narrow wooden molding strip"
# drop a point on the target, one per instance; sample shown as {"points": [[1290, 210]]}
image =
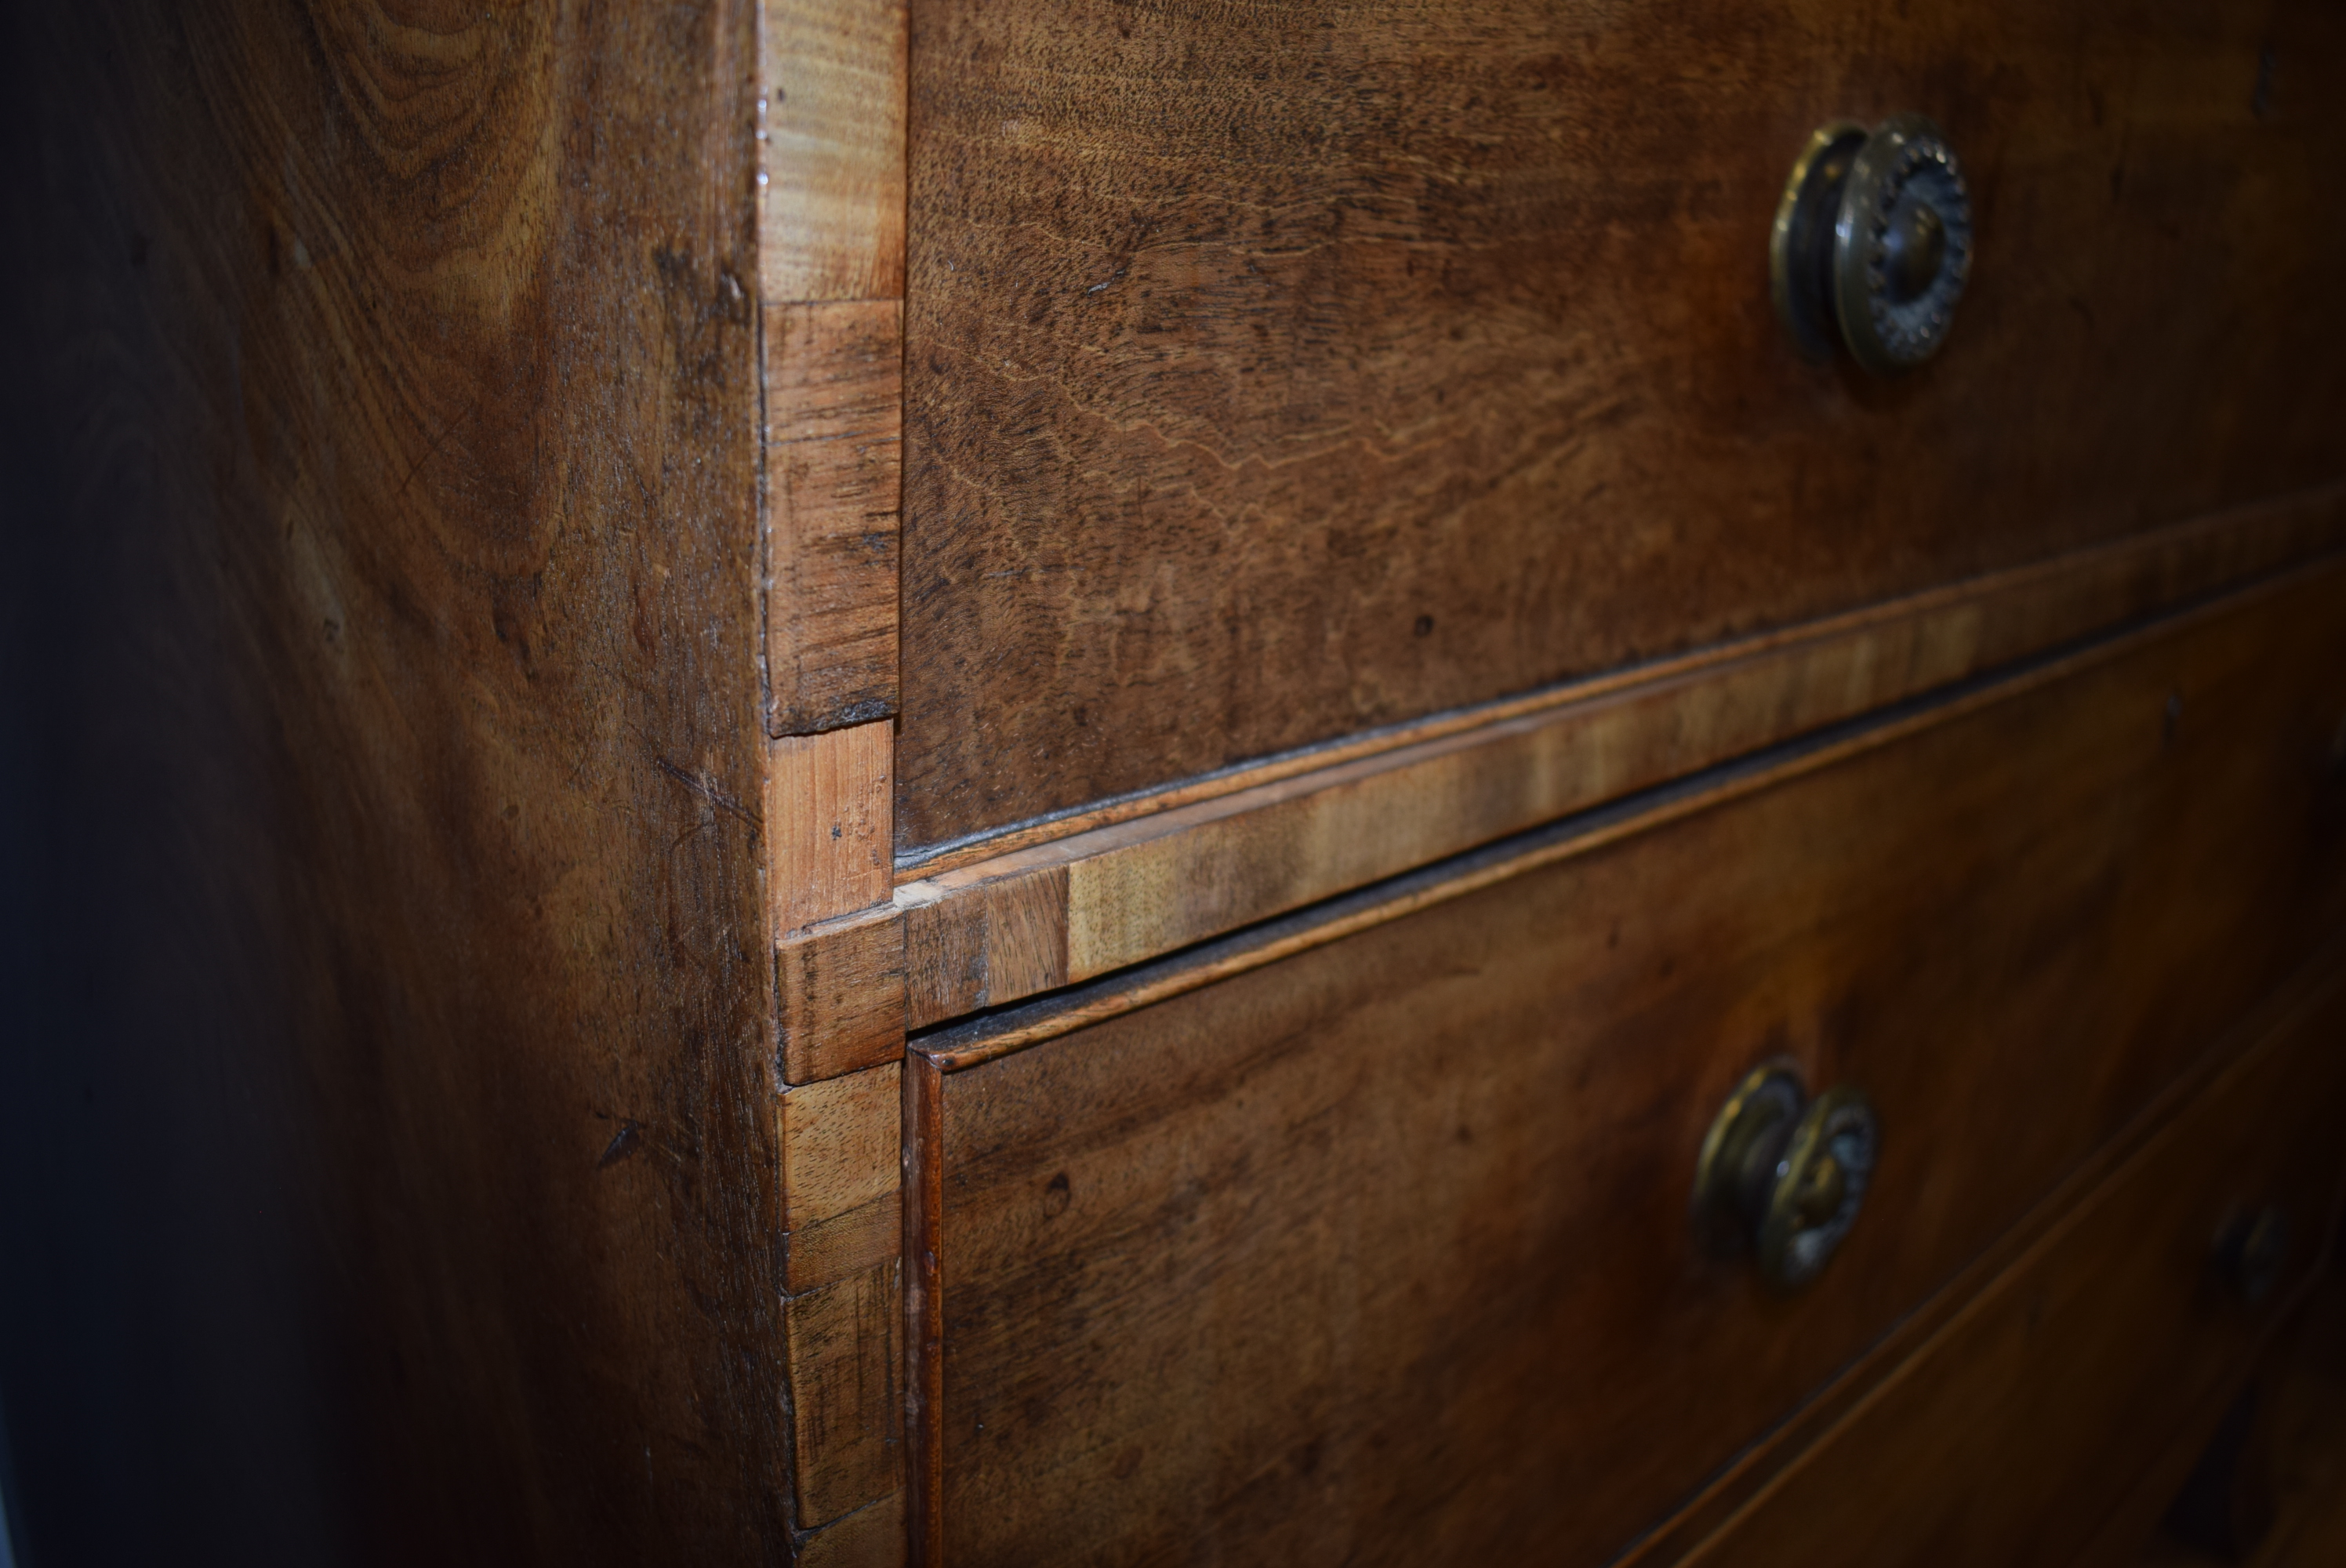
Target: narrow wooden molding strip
{"points": [[1036, 916], [923, 1179], [983, 936], [832, 78], [997, 1034], [841, 985], [2075, 592]]}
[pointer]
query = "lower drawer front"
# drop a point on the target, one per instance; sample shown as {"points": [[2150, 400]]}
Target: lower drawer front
{"points": [[1380, 1252], [2015, 1432]]}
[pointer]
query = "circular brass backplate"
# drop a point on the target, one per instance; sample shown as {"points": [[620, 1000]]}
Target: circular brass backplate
{"points": [[1905, 188], [1871, 246]]}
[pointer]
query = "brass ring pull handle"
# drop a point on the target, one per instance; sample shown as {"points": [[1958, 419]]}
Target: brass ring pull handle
{"points": [[1872, 243], [1783, 1175]]}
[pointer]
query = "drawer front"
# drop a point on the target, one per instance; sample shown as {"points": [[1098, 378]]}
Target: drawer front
{"points": [[2015, 1434], [1381, 1249], [1275, 372]]}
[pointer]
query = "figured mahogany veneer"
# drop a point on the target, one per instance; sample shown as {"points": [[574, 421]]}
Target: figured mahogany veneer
{"points": [[1272, 373], [1256, 581]]}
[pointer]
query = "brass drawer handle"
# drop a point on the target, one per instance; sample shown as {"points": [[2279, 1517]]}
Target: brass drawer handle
{"points": [[1783, 1175], [1872, 243]]}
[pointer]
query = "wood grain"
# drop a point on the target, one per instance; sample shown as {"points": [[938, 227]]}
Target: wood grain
{"points": [[1273, 375], [870, 1537], [1786, 1446], [840, 986], [822, 1251], [2014, 1433], [832, 106], [925, 1513], [1005, 1030], [841, 1143], [986, 935], [844, 1349], [390, 1063], [841, 1147], [835, 402], [1045, 914], [827, 800], [1347, 1202]]}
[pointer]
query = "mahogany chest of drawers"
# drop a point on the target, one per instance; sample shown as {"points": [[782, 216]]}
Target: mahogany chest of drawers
{"points": [[1125, 782]]}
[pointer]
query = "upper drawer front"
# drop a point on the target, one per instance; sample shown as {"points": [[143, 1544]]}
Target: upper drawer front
{"points": [[1381, 1249], [1277, 372]]}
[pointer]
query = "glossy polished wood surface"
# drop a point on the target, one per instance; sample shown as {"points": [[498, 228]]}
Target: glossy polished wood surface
{"points": [[1275, 373], [2023, 1426], [1380, 1250]]}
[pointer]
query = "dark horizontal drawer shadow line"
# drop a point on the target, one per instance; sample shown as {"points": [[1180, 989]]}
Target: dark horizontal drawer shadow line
{"points": [[924, 859]]}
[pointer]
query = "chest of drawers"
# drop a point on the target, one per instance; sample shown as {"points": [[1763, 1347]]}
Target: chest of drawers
{"points": [[1408, 687], [1013, 782]]}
